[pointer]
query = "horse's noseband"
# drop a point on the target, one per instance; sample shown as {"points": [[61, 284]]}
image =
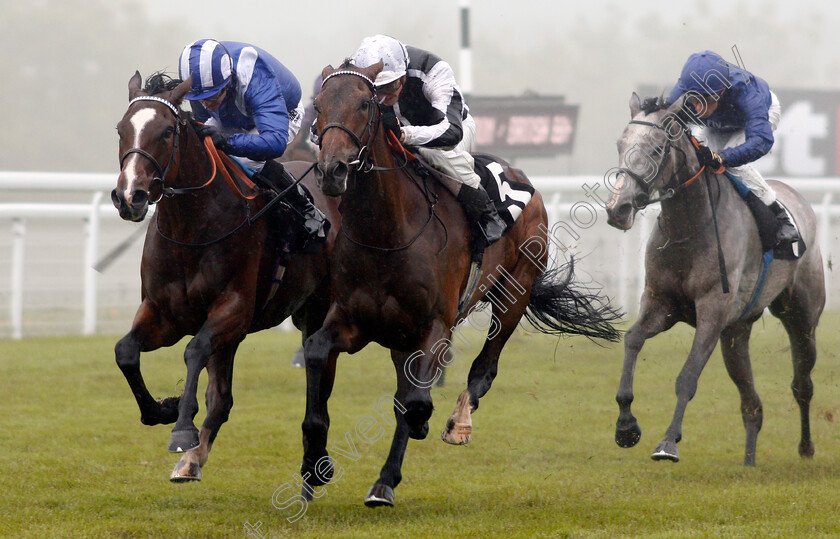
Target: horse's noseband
{"points": [[161, 171]]}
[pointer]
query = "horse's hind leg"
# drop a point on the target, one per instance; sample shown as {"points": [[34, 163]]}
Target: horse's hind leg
{"points": [[734, 343], [219, 401], [148, 333], [799, 315], [504, 318]]}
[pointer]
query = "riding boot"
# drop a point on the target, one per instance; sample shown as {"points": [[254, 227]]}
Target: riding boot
{"points": [[481, 210], [306, 215], [787, 233]]}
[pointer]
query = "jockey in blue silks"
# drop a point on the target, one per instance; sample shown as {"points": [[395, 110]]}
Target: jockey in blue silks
{"points": [[251, 107], [737, 114]]}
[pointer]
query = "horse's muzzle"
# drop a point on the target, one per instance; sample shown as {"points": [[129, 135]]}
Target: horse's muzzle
{"points": [[133, 209], [332, 177], [621, 216]]}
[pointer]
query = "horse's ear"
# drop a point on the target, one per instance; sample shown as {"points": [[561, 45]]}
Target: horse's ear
{"points": [[372, 71], [327, 71], [635, 105], [134, 86], [180, 91]]}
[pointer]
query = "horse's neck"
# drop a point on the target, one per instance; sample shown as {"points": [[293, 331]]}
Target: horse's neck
{"points": [[689, 209], [194, 170], [381, 204]]}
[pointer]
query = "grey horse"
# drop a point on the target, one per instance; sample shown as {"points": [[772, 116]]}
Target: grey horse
{"points": [[705, 226]]}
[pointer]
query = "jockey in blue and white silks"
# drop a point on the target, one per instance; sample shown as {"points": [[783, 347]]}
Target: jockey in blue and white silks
{"points": [[736, 115], [251, 106]]}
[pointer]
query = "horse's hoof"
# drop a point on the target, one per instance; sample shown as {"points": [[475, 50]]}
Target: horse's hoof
{"points": [[806, 449], [419, 433], [456, 433], [183, 440], [380, 495], [181, 474], [666, 451], [628, 436]]}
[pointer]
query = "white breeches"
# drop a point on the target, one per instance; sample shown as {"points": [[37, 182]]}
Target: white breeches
{"points": [[720, 140], [456, 161]]}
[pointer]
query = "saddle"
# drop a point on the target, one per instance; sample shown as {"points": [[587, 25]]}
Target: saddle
{"points": [[768, 224], [509, 197]]}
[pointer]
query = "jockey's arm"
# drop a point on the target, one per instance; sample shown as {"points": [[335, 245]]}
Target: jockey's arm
{"points": [[444, 130], [757, 128], [268, 110]]}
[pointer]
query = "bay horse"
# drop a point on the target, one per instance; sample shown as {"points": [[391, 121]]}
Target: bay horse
{"points": [[706, 239], [207, 267], [399, 266]]}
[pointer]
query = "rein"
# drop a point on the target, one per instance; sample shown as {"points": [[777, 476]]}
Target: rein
{"points": [[672, 187], [364, 166], [220, 162], [671, 191]]}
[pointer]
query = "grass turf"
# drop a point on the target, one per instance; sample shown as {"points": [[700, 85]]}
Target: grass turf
{"points": [[76, 462]]}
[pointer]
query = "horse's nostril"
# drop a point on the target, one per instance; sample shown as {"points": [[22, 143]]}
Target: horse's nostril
{"points": [[641, 200], [139, 198], [115, 199], [339, 170]]}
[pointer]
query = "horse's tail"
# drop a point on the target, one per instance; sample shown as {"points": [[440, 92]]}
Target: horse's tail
{"points": [[559, 307]]}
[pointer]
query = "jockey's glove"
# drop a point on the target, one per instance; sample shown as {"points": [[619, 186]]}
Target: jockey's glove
{"points": [[219, 140], [707, 157], [390, 121]]}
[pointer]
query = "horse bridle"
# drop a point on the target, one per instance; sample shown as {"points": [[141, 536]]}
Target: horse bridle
{"points": [[161, 171], [364, 166], [362, 162], [672, 186]]}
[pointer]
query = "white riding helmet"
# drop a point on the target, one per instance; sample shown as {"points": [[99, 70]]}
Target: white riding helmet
{"points": [[391, 52]]}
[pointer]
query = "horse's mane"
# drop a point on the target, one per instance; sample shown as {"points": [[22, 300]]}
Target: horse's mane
{"points": [[160, 82]]}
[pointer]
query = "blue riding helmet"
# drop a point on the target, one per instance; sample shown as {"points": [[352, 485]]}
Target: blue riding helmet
{"points": [[210, 65], [705, 73]]}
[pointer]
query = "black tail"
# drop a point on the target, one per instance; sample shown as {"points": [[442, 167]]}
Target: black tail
{"points": [[556, 307]]}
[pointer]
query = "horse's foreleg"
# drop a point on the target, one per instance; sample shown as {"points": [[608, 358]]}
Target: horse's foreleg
{"points": [[416, 373], [321, 352], [225, 325], [705, 340], [734, 345], [219, 401], [148, 333], [654, 318]]}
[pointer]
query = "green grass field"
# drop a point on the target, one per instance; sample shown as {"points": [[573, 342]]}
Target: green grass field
{"points": [[76, 462]]}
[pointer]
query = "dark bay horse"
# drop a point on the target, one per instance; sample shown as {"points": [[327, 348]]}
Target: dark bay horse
{"points": [[684, 281], [207, 267], [399, 266]]}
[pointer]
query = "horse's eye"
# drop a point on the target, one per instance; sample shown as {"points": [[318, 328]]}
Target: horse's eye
{"points": [[168, 132], [365, 105]]}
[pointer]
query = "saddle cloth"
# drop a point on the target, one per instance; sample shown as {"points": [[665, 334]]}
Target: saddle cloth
{"points": [[510, 197]]}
